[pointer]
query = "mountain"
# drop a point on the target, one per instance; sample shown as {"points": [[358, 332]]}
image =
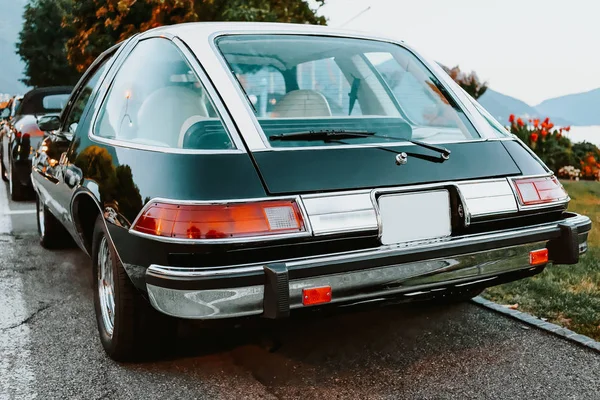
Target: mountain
{"points": [[581, 108], [11, 66], [501, 106]]}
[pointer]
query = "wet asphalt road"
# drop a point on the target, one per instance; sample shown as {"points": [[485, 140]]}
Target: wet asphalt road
{"points": [[49, 346]]}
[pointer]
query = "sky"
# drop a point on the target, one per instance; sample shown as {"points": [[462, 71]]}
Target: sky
{"points": [[529, 49]]}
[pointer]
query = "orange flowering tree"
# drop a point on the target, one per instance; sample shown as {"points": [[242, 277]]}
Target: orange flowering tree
{"points": [[555, 149]]}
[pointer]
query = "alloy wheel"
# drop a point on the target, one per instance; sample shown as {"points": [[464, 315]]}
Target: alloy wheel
{"points": [[40, 216], [106, 287]]}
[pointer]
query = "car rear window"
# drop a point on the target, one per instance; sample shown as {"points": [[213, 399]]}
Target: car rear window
{"points": [[55, 102], [156, 99], [298, 83]]}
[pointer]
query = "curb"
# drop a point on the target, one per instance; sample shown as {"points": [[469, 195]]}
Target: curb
{"points": [[538, 323]]}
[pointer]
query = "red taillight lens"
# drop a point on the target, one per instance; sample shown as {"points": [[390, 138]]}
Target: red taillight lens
{"points": [[210, 221], [533, 191], [538, 257]]}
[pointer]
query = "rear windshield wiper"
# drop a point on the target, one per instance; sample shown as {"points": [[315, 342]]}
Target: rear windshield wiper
{"points": [[335, 135]]}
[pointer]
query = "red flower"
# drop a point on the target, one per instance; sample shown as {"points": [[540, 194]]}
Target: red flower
{"points": [[559, 135], [550, 125], [567, 128], [547, 120], [544, 133], [536, 122], [534, 137], [511, 119], [520, 122]]}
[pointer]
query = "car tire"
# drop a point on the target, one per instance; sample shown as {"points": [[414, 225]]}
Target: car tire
{"points": [[52, 233], [130, 329], [16, 192]]}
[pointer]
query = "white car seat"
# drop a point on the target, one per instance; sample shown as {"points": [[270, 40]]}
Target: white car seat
{"points": [[163, 114], [302, 104]]}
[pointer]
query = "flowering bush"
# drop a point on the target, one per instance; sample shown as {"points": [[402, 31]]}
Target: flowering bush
{"points": [[576, 161], [569, 172], [545, 140]]}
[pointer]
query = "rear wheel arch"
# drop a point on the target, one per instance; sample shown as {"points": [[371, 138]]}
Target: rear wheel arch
{"points": [[85, 210]]}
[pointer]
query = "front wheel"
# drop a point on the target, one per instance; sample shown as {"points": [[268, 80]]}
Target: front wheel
{"points": [[52, 233], [127, 324]]}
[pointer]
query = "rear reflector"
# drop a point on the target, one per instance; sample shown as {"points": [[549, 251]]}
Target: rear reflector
{"points": [[217, 221], [538, 257], [544, 190], [318, 295]]}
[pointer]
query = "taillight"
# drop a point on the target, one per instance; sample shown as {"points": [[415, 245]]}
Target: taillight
{"points": [[219, 221], [532, 191]]}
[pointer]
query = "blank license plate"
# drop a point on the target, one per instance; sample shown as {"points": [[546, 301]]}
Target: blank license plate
{"points": [[415, 216]]}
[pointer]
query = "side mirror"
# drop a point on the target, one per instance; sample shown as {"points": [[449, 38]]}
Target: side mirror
{"points": [[49, 123], [4, 113]]}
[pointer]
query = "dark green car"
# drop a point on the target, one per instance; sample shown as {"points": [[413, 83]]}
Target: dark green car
{"points": [[232, 170]]}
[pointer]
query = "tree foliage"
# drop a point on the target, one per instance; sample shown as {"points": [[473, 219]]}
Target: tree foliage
{"points": [[469, 82], [98, 24], [42, 44]]}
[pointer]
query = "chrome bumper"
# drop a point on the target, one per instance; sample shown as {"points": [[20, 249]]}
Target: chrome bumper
{"points": [[405, 271]]}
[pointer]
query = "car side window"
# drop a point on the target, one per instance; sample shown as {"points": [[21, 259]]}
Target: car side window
{"points": [[156, 99], [76, 111]]}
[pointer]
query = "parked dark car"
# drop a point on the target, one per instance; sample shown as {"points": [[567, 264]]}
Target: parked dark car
{"points": [[21, 135], [229, 170]]}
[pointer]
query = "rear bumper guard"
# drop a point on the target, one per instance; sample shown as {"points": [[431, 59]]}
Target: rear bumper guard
{"points": [[276, 288]]}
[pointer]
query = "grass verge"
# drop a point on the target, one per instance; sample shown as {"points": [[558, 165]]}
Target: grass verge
{"points": [[565, 295]]}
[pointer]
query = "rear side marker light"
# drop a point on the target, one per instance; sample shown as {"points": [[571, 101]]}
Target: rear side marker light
{"points": [[538, 257], [313, 296], [532, 191], [218, 221]]}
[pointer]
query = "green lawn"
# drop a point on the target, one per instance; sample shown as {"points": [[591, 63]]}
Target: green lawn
{"points": [[565, 295]]}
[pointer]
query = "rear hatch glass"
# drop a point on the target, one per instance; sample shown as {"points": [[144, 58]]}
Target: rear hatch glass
{"points": [[335, 112]]}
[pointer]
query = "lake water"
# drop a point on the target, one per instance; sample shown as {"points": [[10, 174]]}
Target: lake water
{"points": [[584, 133]]}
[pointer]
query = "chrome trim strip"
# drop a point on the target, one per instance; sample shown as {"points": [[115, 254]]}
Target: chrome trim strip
{"points": [[157, 149], [213, 95], [200, 273], [493, 197], [333, 213], [248, 239], [364, 145]]}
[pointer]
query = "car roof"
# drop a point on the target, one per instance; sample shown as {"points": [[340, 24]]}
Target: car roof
{"points": [[49, 89], [208, 29]]}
